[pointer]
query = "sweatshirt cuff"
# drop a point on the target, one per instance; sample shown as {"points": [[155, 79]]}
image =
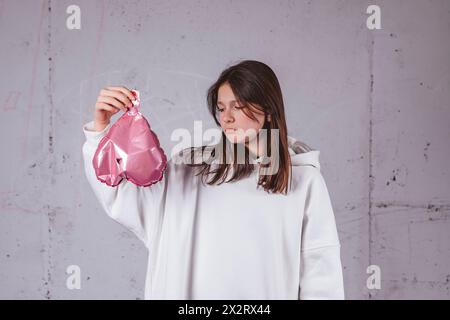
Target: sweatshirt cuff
{"points": [[93, 137]]}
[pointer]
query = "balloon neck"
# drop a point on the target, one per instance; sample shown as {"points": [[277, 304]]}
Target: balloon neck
{"points": [[136, 103]]}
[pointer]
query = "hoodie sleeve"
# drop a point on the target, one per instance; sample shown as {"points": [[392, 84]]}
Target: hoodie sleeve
{"points": [[137, 208], [320, 268]]}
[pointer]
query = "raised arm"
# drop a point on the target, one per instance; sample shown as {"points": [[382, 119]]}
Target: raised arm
{"points": [[139, 209]]}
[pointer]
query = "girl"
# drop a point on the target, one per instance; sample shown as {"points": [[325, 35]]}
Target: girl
{"points": [[220, 229]]}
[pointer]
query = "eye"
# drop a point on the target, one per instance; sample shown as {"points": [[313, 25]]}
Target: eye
{"points": [[218, 109]]}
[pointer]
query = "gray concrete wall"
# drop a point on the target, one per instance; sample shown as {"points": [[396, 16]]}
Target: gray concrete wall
{"points": [[376, 103]]}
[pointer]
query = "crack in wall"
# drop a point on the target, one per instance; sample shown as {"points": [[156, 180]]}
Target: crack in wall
{"points": [[371, 177], [430, 207], [51, 159]]}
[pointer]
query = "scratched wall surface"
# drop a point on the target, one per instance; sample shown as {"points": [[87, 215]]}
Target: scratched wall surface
{"points": [[375, 103]]}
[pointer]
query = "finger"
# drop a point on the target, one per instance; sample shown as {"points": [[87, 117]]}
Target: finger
{"points": [[118, 95], [125, 91], [107, 107], [113, 102]]}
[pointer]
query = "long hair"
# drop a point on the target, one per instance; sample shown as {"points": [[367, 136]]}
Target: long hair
{"points": [[256, 87]]}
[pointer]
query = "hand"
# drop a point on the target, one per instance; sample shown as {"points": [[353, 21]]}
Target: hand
{"points": [[110, 101]]}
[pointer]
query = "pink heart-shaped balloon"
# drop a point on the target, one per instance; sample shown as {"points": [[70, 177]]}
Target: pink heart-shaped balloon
{"points": [[130, 150]]}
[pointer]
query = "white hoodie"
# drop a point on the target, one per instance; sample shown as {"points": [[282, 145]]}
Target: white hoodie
{"points": [[229, 241]]}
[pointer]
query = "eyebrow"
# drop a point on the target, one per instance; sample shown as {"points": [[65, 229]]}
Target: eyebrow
{"points": [[220, 102]]}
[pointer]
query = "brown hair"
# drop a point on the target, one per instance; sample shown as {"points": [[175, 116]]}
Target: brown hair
{"points": [[256, 87]]}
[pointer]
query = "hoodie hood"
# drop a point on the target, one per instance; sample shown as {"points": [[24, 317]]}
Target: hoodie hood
{"points": [[302, 155]]}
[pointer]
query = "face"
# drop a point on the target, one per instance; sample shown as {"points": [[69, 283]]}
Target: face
{"points": [[237, 126]]}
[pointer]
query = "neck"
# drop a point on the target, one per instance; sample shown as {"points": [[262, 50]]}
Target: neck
{"points": [[257, 147]]}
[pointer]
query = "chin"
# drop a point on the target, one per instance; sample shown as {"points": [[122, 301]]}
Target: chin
{"points": [[232, 138], [239, 138]]}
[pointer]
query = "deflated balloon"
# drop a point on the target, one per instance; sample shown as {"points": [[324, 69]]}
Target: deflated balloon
{"points": [[130, 150]]}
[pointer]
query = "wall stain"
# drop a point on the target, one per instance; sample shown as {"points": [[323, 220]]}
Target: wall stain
{"points": [[425, 151], [398, 176]]}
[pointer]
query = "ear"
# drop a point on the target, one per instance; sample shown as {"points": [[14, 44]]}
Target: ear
{"points": [[269, 118]]}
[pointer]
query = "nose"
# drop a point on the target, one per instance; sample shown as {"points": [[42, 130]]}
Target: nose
{"points": [[227, 116]]}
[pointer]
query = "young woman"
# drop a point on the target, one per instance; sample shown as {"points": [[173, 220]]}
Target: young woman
{"points": [[219, 228]]}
